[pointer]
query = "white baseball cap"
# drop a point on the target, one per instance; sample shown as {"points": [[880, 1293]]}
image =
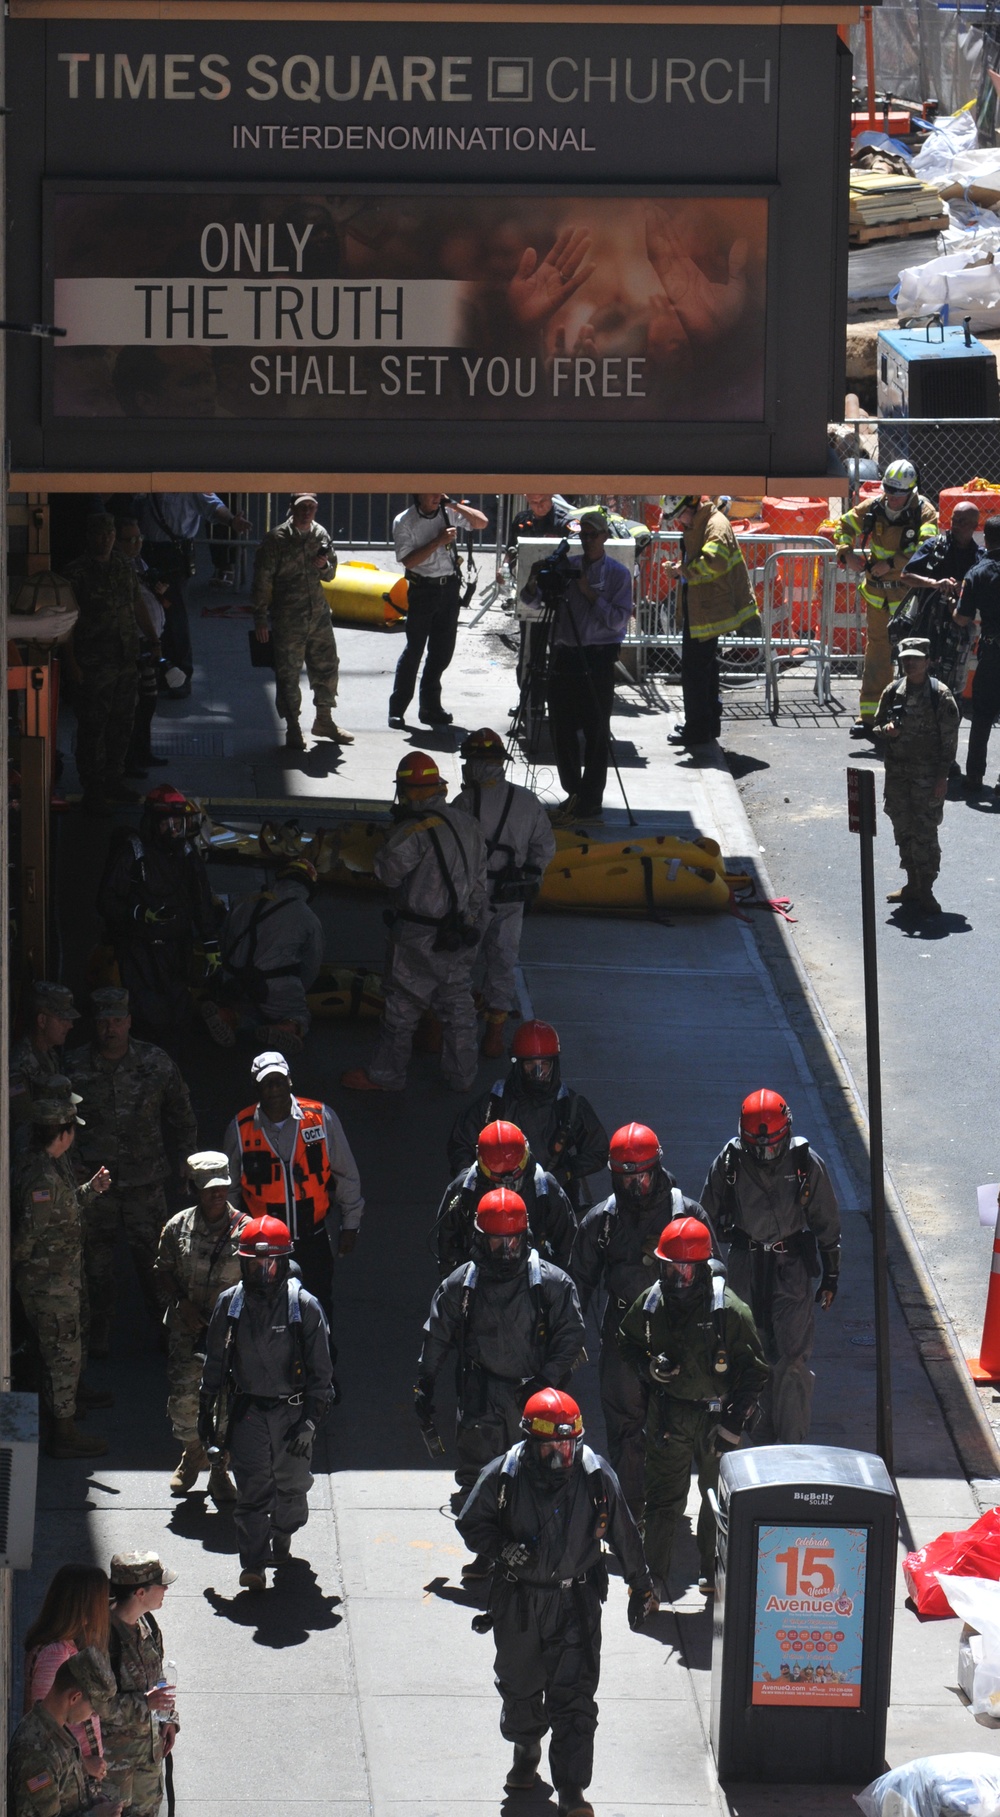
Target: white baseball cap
{"points": [[269, 1063]]}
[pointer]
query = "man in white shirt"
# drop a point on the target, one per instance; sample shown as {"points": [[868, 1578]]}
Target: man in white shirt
{"points": [[424, 537]]}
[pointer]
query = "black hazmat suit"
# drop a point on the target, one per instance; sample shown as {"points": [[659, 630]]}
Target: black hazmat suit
{"points": [[782, 1224], [547, 1611], [562, 1128], [144, 878], [511, 1336], [279, 1375], [614, 1251], [551, 1224]]}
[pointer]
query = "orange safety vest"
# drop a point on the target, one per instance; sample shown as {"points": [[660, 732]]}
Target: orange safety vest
{"points": [[300, 1195]]}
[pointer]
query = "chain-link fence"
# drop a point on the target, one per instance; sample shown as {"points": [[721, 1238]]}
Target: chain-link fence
{"points": [[946, 451]]}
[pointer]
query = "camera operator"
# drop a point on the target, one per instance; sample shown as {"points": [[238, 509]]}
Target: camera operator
{"points": [[592, 608], [424, 538]]}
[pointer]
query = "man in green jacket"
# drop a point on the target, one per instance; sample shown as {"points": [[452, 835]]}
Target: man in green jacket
{"points": [[696, 1345]]}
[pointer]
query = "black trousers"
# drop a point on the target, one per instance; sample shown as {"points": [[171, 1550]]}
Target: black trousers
{"points": [[548, 1665], [175, 643], [700, 685], [581, 696], [431, 625], [985, 708], [314, 1256]]}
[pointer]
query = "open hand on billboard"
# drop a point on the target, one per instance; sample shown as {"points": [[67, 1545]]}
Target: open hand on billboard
{"points": [[705, 309], [537, 291]]}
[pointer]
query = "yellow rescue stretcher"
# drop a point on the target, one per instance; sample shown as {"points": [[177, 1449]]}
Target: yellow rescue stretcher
{"points": [[361, 594]]}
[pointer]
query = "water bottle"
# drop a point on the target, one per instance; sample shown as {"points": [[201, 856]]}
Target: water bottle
{"points": [[168, 1683]]}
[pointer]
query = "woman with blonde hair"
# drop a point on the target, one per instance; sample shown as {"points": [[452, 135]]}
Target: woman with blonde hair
{"points": [[76, 1613]]}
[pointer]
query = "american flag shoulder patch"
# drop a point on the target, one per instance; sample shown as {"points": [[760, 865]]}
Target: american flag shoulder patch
{"points": [[40, 1782], [40, 1198]]}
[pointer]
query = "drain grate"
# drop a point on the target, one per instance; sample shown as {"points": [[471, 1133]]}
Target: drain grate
{"points": [[188, 744]]}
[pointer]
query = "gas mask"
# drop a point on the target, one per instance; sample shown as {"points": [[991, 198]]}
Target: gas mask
{"points": [[262, 1275], [501, 1257], [482, 770], [681, 1280], [555, 1455], [634, 1186]]}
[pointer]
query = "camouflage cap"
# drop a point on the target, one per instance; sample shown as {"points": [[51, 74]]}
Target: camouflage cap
{"points": [[914, 646], [54, 999], [139, 1568], [94, 1676], [57, 1104], [110, 1000], [209, 1168]]}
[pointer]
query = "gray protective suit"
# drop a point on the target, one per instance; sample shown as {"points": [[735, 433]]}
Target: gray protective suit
{"points": [[510, 1337], [551, 1223], [272, 1396], [416, 977], [614, 1250], [284, 942], [518, 834], [754, 1208], [564, 1132], [547, 1612]]}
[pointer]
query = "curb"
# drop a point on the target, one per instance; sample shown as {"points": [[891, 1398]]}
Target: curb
{"points": [[923, 1309]]}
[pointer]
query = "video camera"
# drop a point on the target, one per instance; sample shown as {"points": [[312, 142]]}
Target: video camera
{"points": [[554, 574]]}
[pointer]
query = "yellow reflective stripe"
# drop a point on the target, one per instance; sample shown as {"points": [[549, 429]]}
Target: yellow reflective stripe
{"points": [[700, 573], [720, 626]]}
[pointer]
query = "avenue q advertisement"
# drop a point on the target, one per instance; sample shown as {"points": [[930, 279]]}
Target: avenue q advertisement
{"points": [[810, 1624], [425, 304]]}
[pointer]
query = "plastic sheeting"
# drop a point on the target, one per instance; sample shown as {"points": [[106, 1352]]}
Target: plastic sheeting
{"points": [[920, 52]]}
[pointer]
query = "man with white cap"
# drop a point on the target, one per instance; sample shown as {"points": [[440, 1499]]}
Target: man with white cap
{"points": [[291, 610], [196, 1261], [291, 1160], [136, 1745]]}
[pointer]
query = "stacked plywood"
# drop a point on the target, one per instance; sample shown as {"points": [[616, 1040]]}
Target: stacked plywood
{"points": [[891, 207]]}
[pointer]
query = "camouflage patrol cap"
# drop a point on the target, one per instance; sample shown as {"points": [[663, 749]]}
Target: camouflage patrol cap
{"points": [[54, 999], [94, 1676], [110, 1000], [135, 1569], [57, 1104], [209, 1168], [914, 646]]}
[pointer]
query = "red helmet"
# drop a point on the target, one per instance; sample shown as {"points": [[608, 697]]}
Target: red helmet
{"points": [[298, 870], [551, 1414], [165, 799], [685, 1240], [501, 1213], [265, 1237], [535, 1041], [502, 1151], [418, 771], [486, 744], [765, 1126], [634, 1149]]}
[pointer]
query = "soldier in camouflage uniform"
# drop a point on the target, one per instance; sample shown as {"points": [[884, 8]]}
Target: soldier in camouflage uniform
{"points": [[196, 1261], [106, 646], [47, 1259], [135, 1742], [131, 1093], [289, 566], [916, 728], [37, 1057], [45, 1771]]}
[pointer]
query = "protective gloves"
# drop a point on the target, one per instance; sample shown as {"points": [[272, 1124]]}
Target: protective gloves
{"points": [[515, 1554], [826, 1292], [642, 1602], [206, 1420], [423, 1402], [302, 1440]]}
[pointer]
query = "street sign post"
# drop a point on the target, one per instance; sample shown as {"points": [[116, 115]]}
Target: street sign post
{"points": [[861, 820]]}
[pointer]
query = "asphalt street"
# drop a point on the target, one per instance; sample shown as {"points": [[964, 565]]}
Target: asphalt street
{"points": [[938, 977]]}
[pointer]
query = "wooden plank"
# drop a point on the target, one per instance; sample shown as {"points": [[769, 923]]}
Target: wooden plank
{"points": [[897, 230]]}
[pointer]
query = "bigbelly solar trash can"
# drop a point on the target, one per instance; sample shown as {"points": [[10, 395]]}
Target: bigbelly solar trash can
{"points": [[802, 1638]]}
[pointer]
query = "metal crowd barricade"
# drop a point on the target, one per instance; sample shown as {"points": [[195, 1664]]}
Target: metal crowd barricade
{"points": [[807, 606]]}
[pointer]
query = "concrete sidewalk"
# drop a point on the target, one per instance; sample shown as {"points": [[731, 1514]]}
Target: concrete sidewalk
{"points": [[357, 1686]]}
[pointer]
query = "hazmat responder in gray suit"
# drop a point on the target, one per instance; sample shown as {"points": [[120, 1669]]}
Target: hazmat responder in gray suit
{"points": [[266, 1388]]}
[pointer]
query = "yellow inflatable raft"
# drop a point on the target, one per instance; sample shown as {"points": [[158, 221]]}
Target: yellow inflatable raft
{"points": [[679, 876], [361, 594], [574, 850]]}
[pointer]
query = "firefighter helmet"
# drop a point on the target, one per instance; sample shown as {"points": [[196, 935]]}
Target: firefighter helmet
{"points": [[501, 1213], [265, 1236], [899, 476], [685, 1240], [634, 1149], [502, 1151], [416, 771], [765, 1126], [484, 744], [551, 1414], [535, 1041]]}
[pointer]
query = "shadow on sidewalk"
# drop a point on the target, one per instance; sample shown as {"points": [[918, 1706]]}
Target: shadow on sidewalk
{"points": [[285, 1615]]}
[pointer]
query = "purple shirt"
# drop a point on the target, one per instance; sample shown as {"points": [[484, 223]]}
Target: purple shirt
{"points": [[606, 620]]}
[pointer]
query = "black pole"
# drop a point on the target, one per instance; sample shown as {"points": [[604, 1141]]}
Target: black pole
{"points": [[883, 1377]]}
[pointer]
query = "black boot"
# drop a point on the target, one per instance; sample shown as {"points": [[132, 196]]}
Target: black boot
{"points": [[523, 1773], [573, 1801]]}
